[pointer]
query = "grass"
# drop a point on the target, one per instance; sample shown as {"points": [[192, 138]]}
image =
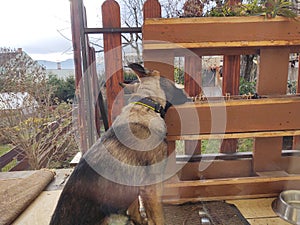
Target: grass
{"points": [[4, 149], [213, 146]]}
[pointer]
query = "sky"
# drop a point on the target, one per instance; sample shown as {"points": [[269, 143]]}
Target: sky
{"points": [[42, 28]]}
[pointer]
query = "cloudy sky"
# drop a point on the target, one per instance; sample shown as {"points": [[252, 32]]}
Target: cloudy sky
{"points": [[42, 27]]}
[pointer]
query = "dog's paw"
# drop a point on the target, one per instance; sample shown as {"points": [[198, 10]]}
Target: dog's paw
{"points": [[117, 219]]}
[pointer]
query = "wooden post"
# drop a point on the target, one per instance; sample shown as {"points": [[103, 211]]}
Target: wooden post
{"points": [[154, 59], [296, 139], [95, 88], [231, 83], [152, 9], [272, 80], [75, 27], [192, 86], [76, 41], [158, 60], [113, 59]]}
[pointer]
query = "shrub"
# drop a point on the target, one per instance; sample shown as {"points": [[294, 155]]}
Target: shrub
{"points": [[44, 133]]}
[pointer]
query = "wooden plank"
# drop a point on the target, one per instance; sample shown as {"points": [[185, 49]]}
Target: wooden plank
{"points": [[75, 26], [113, 58], [16, 174], [152, 9], [272, 80], [22, 165], [223, 189], [192, 86], [8, 157], [273, 71], [175, 199], [76, 42], [296, 139], [264, 221], [213, 169], [231, 75], [254, 208], [229, 181], [212, 51], [230, 84], [254, 115], [240, 165], [40, 211], [258, 211], [76, 159], [267, 154], [232, 31], [192, 75], [218, 46], [60, 179], [163, 61], [234, 135], [207, 51]]}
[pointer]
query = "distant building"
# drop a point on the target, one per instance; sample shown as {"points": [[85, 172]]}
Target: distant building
{"points": [[61, 70], [61, 73]]}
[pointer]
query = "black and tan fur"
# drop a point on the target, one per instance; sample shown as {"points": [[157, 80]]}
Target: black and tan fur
{"points": [[127, 161]]}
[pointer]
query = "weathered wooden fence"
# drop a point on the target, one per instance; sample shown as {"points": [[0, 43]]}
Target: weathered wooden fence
{"points": [[264, 172], [15, 160]]}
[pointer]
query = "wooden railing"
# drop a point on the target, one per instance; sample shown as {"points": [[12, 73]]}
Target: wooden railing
{"points": [[267, 119], [15, 159], [267, 170]]}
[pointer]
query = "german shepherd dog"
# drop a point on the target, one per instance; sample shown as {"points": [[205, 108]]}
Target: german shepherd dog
{"points": [[126, 162]]}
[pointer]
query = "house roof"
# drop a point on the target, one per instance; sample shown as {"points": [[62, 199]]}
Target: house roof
{"points": [[5, 56], [17, 60], [18, 100]]}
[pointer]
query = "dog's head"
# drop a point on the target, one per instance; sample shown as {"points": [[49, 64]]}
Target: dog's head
{"points": [[158, 87]]}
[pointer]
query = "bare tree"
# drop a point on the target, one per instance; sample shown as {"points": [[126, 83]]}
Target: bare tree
{"points": [[132, 16], [29, 118]]}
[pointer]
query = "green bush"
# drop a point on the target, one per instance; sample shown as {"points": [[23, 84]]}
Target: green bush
{"points": [[247, 87], [178, 75], [63, 90]]}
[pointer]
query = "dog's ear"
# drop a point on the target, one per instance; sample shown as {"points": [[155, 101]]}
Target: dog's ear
{"points": [[131, 88], [141, 71]]}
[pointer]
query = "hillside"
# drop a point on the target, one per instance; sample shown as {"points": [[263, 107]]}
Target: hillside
{"points": [[68, 64]]}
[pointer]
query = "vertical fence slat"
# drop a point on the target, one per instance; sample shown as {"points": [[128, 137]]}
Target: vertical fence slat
{"points": [[272, 80], [155, 59], [296, 139], [76, 41], [113, 58], [192, 86], [75, 27], [152, 9], [95, 88], [231, 82], [159, 60]]}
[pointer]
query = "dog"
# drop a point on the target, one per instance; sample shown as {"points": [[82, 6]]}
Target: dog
{"points": [[126, 162]]}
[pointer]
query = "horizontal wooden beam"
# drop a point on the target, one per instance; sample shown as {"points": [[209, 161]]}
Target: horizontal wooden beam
{"points": [[222, 45], [228, 156], [220, 189], [285, 133], [229, 181], [234, 116], [220, 32]]}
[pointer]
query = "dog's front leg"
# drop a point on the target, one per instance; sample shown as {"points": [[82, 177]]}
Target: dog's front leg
{"points": [[151, 197], [135, 214]]}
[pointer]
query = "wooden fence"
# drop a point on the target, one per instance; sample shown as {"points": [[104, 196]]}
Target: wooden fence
{"points": [[268, 169], [14, 160]]}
